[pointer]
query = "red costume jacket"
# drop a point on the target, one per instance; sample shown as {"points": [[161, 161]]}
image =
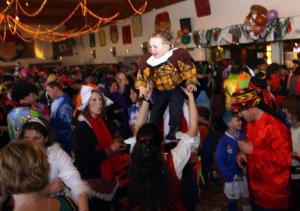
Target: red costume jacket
{"points": [[269, 163]]}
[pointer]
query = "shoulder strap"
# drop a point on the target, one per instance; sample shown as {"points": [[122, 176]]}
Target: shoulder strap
{"points": [[66, 204]]}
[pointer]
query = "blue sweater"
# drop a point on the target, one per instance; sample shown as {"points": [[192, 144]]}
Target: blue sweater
{"points": [[226, 153]]}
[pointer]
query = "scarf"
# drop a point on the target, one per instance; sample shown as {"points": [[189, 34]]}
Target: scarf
{"points": [[111, 165]]}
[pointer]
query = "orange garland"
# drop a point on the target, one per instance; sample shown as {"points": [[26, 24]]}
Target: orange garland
{"points": [[16, 26]]}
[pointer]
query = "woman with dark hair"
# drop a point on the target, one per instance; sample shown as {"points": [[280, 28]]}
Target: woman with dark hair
{"points": [[155, 176], [64, 178]]}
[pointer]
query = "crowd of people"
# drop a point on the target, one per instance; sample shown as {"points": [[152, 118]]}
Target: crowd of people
{"points": [[152, 136]]}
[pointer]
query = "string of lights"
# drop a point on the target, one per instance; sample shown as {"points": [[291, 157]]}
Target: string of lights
{"points": [[38, 11], [54, 34]]}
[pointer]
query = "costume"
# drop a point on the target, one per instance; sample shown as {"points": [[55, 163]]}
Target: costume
{"points": [[60, 121], [268, 167], [176, 161], [133, 111], [62, 167], [167, 74], [91, 154], [87, 156], [17, 117], [226, 154]]}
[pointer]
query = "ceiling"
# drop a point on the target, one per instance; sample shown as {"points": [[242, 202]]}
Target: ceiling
{"points": [[56, 11]]}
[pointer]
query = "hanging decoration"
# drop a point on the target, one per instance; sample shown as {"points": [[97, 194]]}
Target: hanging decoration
{"points": [[256, 22], [136, 22], [186, 29], [185, 25], [126, 34], [264, 26], [102, 39], [63, 48], [236, 34], [144, 47], [216, 34], [186, 39], [202, 7], [53, 34], [281, 28], [162, 22], [92, 40], [212, 35], [113, 33], [197, 39]]}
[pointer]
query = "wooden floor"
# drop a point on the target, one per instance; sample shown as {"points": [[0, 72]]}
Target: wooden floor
{"points": [[212, 200]]}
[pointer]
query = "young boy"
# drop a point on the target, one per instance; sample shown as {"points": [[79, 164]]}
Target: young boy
{"points": [[167, 69], [227, 150]]}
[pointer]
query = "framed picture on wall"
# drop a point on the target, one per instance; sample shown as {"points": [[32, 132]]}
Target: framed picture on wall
{"points": [[113, 33], [92, 40], [185, 24], [202, 7], [126, 33], [63, 48], [162, 22], [102, 40], [136, 22], [144, 47]]}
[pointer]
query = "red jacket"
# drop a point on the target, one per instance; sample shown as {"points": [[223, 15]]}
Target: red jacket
{"points": [[269, 163]]}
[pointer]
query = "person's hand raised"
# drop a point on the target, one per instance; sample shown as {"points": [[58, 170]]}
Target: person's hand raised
{"points": [[188, 93], [191, 88]]}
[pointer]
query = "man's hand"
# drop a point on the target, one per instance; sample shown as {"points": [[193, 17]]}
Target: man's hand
{"points": [[142, 92], [145, 92], [188, 93], [191, 88], [246, 147], [241, 159]]}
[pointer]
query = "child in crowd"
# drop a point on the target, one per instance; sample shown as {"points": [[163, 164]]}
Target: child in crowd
{"points": [[134, 109], [167, 69], [227, 150], [206, 145]]}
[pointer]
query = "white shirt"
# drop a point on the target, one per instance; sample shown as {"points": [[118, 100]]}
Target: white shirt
{"points": [[181, 153], [61, 166], [296, 147]]}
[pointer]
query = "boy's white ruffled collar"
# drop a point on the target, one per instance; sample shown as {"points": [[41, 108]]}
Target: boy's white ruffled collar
{"points": [[154, 62]]}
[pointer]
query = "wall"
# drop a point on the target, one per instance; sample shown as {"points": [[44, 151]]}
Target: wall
{"points": [[224, 13]]}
